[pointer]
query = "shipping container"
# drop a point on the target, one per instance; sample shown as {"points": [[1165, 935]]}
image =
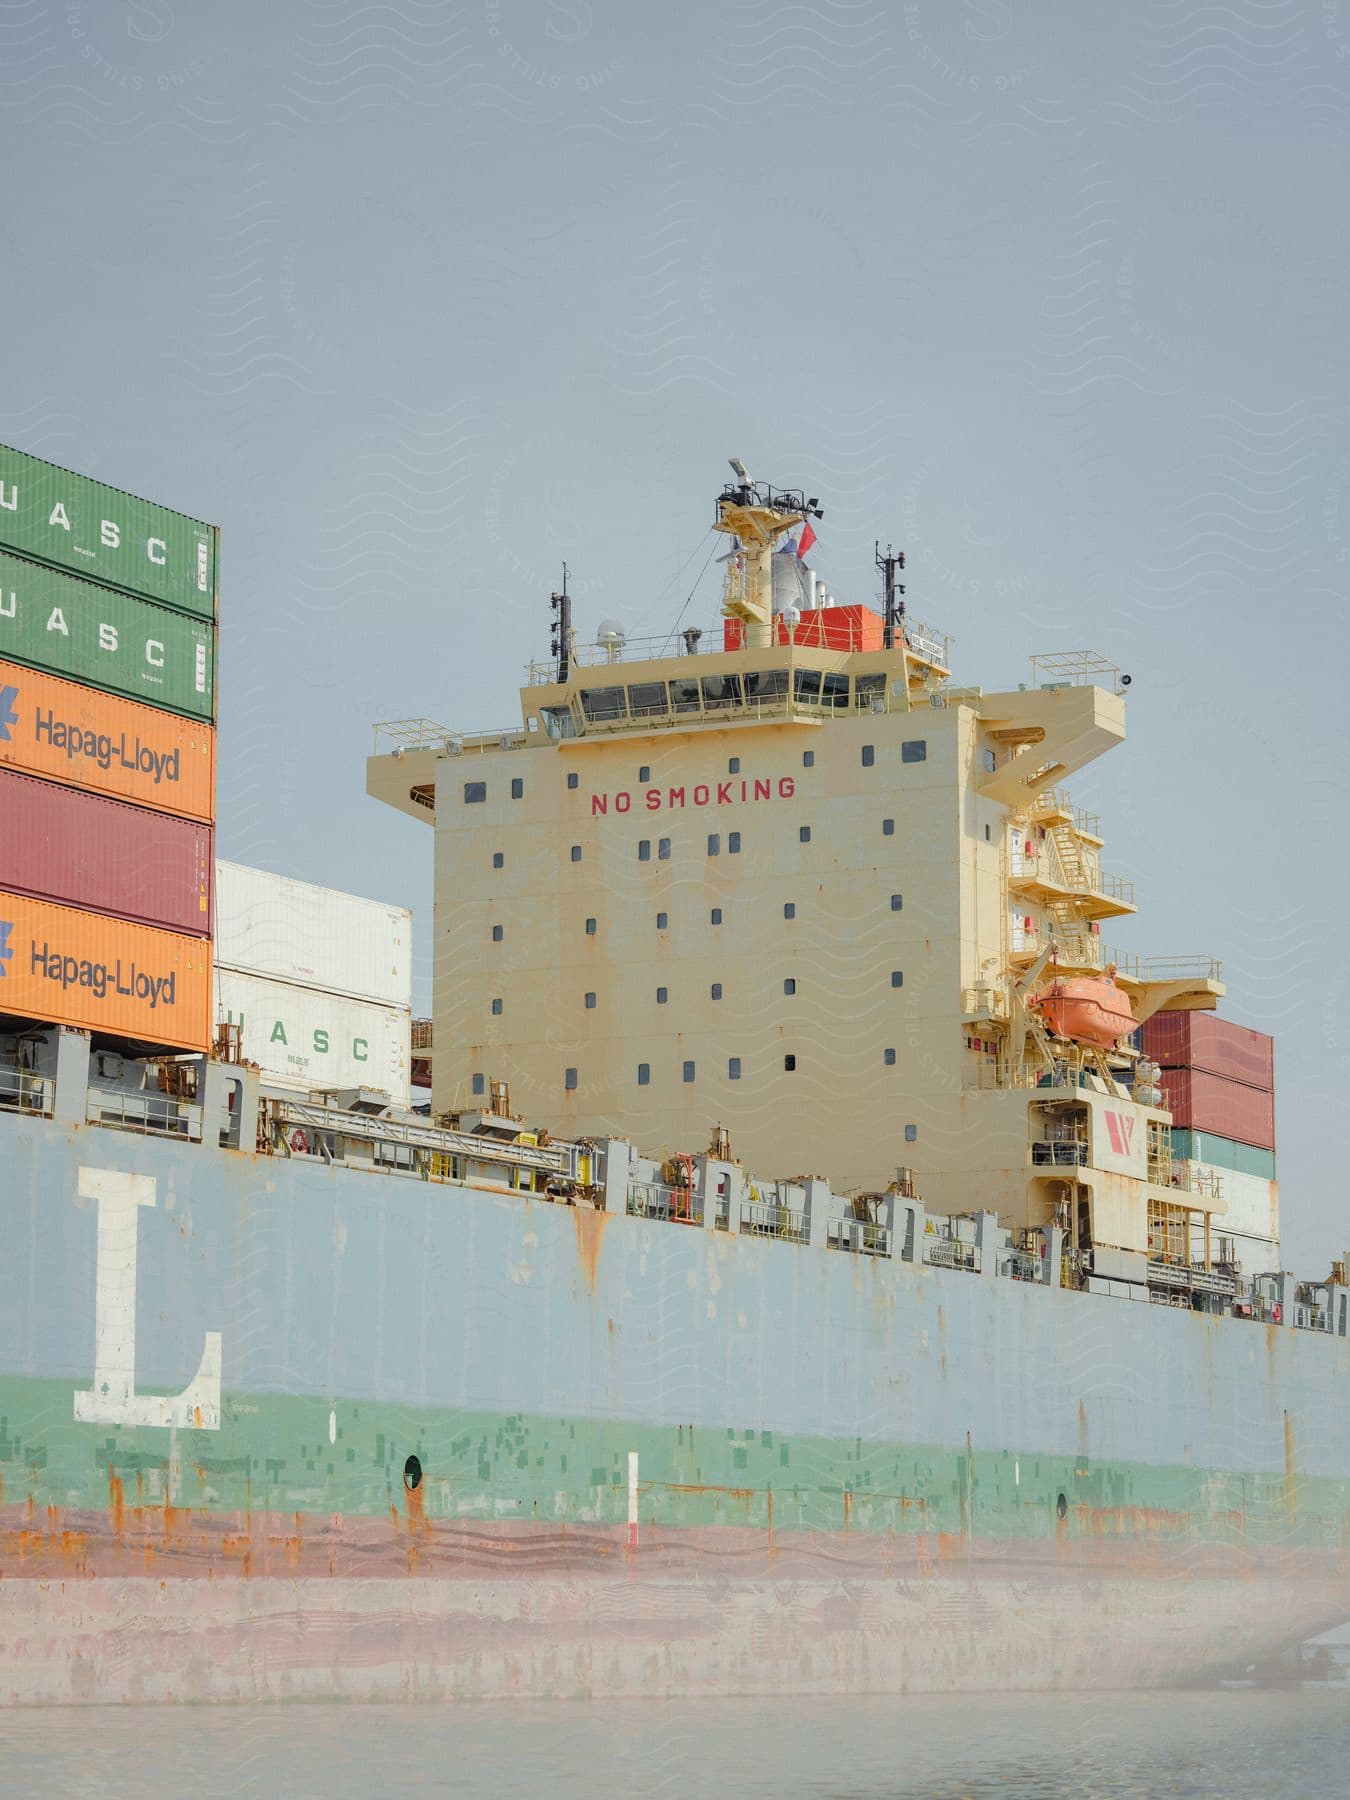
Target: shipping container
{"points": [[98, 635], [314, 936], [89, 739], [1255, 1255], [1250, 1204], [1199, 1040], [61, 966], [1199, 1101], [304, 1039], [1221, 1152], [75, 523], [77, 849]]}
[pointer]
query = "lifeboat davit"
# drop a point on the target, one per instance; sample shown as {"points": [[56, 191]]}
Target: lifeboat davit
{"points": [[1085, 1009]]}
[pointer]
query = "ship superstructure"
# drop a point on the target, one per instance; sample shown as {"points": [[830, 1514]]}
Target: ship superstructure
{"points": [[803, 883]]}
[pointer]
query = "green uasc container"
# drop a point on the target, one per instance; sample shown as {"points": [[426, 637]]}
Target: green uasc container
{"points": [[106, 639], [107, 536]]}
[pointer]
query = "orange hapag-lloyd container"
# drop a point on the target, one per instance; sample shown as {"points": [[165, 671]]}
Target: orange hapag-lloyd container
{"points": [[88, 739], [65, 967]]}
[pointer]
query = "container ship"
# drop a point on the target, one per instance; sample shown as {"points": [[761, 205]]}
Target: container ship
{"points": [[797, 1254]]}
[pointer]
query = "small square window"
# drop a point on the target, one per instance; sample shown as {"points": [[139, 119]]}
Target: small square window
{"points": [[496, 934], [808, 759], [663, 850], [644, 849], [990, 761], [888, 1057], [789, 1062], [734, 766], [869, 755], [734, 843], [790, 985], [914, 750], [573, 779], [498, 860], [888, 828], [897, 902], [662, 920], [576, 853], [645, 772], [496, 1009], [479, 1084], [662, 995], [590, 928], [474, 792], [714, 844], [911, 1133], [716, 990], [790, 909], [715, 916], [590, 1003], [804, 835], [897, 977], [644, 1074], [570, 1079], [733, 1068], [517, 788], [689, 1071]]}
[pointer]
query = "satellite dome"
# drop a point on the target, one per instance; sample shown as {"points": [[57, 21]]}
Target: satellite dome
{"points": [[609, 634]]}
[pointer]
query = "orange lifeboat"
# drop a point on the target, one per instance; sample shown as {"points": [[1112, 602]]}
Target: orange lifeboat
{"points": [[1085, 1009]]}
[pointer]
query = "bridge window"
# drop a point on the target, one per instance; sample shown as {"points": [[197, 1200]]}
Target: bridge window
{"points": [[599, 704], [647, 700], [721, 692], [684, 696]]}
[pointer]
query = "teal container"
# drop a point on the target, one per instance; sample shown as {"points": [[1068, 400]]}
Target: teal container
{"points": [[1222, 1153], [103, 638], [107, 536]]}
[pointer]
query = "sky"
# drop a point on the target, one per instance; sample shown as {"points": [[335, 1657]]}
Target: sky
{"points": [[418, 301]]}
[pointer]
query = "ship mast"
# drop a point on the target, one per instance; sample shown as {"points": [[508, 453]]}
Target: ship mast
{"points": [[756, 516]]}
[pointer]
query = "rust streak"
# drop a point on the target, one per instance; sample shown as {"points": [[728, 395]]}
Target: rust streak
{"points": [[590, 1226]]}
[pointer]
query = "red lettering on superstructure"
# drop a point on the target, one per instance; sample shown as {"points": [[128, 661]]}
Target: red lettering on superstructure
{"points": [[599, 804], [701, 789], [723, 793], [676, 795], [787, 787], [763, 790], [622, 802]]}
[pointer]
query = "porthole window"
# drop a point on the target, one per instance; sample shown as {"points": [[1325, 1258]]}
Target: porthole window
{"points": [[808, 759], [897, 902], [573, 779], [734, 766], [869, 755], [897, 978], [714, 844], [789, 1062], [412, 1474], [644, 1074], [645, 772], [911, 1134], [576, 853], [888, 828], [715, 916], [689, 1071], [662, 995], [496, 1009], [590, 928], [733, 1068], [734, 843], [804, 835], [498, 860], [888, 1057], [662, 920], [663, 850], [715, 991], [644, 849], [570, 1080], [479, 1084], [590, 1003], [517, 789], [790, 909], [497, 934], [790, 985]]}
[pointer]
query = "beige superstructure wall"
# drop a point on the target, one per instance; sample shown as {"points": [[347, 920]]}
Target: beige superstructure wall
{"points": [[855, 870]]}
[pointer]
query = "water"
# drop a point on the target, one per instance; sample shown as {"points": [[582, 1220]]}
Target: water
{"points": [[1177, 1744]]}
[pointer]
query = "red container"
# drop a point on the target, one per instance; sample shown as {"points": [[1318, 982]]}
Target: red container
{"points": [[1199, 1101], [77, 849], [1198, 1040], [829, 628]]}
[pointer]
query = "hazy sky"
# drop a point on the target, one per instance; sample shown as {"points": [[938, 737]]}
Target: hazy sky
{"points": [[418, 300]]}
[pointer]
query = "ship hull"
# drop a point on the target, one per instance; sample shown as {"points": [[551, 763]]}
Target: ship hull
{"points": [[272, 1429]]}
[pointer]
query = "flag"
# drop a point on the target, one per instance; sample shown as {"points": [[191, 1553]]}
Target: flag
{"points": [[805, 541]]}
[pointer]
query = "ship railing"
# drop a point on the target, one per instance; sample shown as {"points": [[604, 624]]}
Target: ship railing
{"points": [[1166, 968], [395, 737], [1059, 1153], [861, 1236], [778, 708], [157, 1115], [306, 1128], [1114, 887], [654, 1200], [764, 1218], [27, 1092], [1076, 668], [941, 1251]]}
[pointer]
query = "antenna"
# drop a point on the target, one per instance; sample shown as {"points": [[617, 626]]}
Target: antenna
{"points": [[888, 564], [561, 643]]}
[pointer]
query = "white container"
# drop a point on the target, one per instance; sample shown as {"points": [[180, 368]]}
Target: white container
{"points": [[293, 931], [1251, 1203], [304, 1039]]}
